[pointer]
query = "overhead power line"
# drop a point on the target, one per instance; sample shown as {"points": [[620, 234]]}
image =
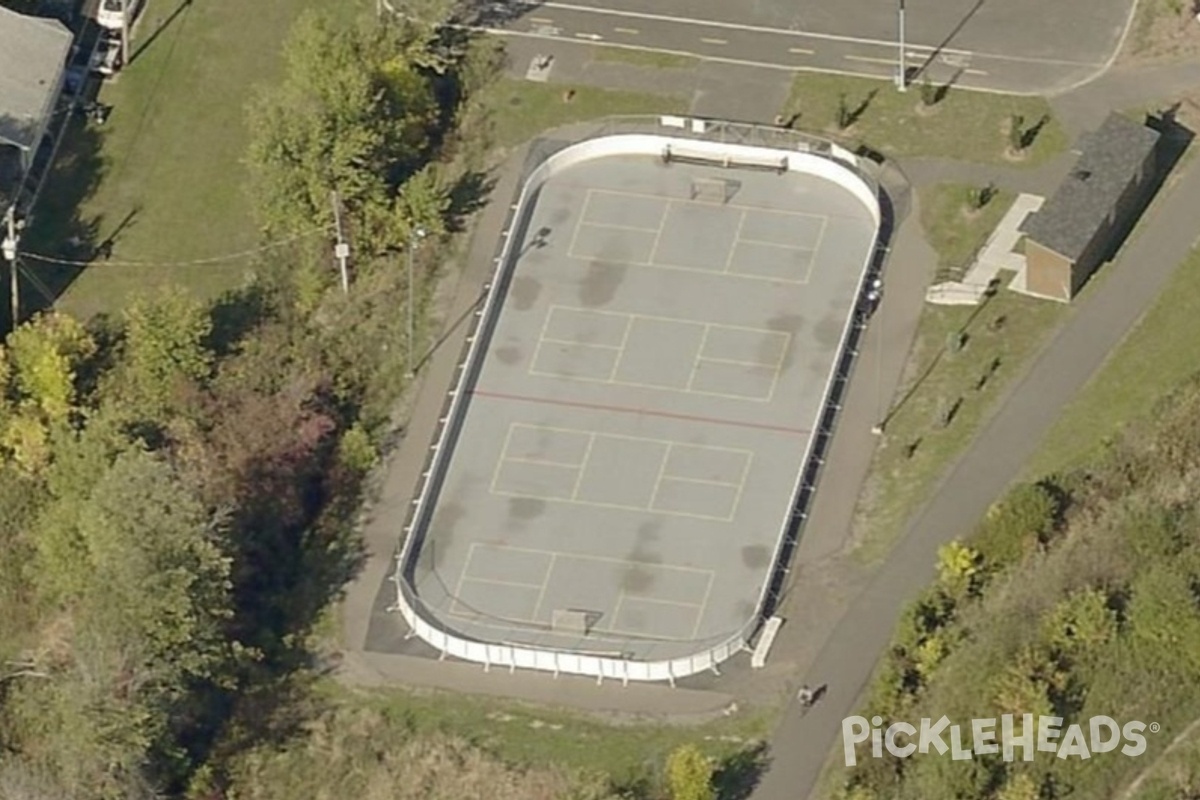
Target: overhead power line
{"points": [[190, 263]]}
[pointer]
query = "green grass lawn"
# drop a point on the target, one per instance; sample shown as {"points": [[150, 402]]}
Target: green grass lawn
{"points": [[523, 734], [970, 126], [1157, 355], [954, 228], [644, 58], [165, 173], [899, 482], [520, 110]]}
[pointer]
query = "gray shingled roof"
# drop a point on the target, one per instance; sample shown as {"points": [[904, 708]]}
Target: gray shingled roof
{"points": [[1110, 159], [33, 56]]}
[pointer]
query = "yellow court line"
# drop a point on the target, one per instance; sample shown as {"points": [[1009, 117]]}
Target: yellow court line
{"points": [[587, 454], [703, 606]]}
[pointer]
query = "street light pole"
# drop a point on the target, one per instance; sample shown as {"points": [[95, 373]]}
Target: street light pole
{"points": [[417, 236], [902, 77]]}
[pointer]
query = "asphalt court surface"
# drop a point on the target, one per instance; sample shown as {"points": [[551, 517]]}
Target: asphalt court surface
{"points": [[632, 442]]}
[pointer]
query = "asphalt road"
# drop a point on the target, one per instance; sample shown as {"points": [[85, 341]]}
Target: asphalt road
{"points": [[1014, 46]]}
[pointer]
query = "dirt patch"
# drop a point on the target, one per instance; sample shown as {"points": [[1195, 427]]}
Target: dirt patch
{"points": [[1163, 30]]}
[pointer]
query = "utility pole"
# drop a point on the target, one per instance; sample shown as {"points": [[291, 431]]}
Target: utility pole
{"points": [[125, 33], [417, 236], [341, 250], [902, 77], [9, 248]]}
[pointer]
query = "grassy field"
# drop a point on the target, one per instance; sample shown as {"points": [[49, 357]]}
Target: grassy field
{"points": [[523, 734], [644, 58], [163, 178], [519, 110], [1158, 355], [954, 228], [970, 126], [1005, 331]]}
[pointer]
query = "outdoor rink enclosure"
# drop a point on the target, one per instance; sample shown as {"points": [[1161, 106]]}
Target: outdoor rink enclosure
{"points": [[618, 466]]}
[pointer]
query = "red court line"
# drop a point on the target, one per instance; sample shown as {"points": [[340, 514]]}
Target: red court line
{"points": [[646, 412]]}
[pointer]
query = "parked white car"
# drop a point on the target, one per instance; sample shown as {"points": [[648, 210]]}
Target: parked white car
{"points": [[106, 60], [112, 14]]}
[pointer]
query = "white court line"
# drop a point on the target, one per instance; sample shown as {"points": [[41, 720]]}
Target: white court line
{"points": [[737, 237], [641, 598], [736, 361], [741, 489], [735, 206], [630, 31], [703, 481], [605, 559], [703, 605], [587, 454], [662, 468], [462, 576], [537, 348], [616, 226], [612, 373], [765, 243], [695, 270], [541, 462], [501, 461], [800, 51], [655, 386], [583, 210], [512, 584], [709, 40], [698, 357], [662, 224], [616, 506], [545, 582], [576, 343]]}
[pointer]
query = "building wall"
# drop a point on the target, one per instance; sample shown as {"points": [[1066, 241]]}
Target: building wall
{"points": [[1046, 272]]}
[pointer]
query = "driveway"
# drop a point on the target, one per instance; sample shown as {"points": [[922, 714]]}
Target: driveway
{"points": [[1013, 46]]}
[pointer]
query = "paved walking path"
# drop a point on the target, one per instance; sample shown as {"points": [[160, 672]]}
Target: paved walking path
{"points": [[1099, 322]]}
